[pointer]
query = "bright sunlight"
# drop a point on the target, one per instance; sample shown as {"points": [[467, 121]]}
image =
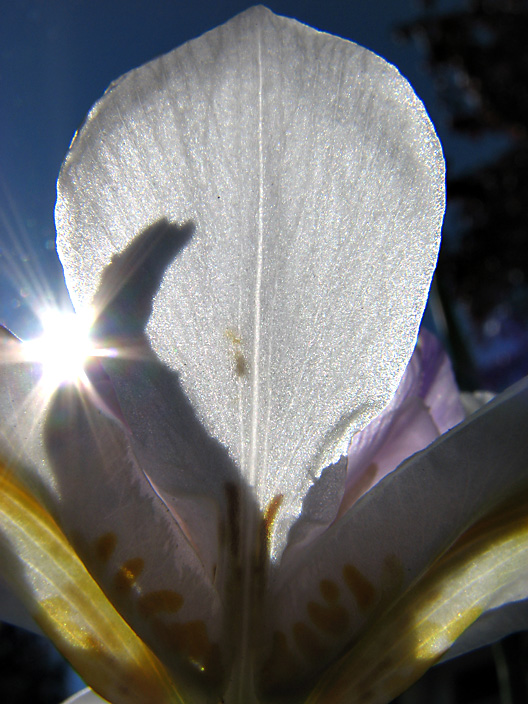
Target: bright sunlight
{"points": [[63, 347]]}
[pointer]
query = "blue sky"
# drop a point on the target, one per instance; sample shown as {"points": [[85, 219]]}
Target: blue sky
{"points": [[58, 56]]}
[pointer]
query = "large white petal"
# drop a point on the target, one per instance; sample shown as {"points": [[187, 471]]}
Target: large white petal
{"points": [[314, 179]]}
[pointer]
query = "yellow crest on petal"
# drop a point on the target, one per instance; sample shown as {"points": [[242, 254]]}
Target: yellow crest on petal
{"points": [[416, 631], [68, 605]]}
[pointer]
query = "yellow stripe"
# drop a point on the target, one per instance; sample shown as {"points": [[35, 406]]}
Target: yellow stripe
{"points": [[47, 575], [419, 628]]}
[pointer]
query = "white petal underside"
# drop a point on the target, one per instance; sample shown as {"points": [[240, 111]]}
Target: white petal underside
{"points": [[85, 696], [395, 532], [314, 179]]}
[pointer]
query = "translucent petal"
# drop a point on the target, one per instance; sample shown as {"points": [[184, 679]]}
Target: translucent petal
{"points": [[80, 465], [394, 533], [425, 405], [189, 469], [132, 543], [314, 180], [69, 606], [85, 696], [22, 415], [486, 566], [492, 626]]}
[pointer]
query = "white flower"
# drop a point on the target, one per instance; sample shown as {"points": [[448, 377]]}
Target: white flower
{"points": [[255, 219]]}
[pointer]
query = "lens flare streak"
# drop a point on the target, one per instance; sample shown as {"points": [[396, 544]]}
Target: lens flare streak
{"points": [[62, 349]]}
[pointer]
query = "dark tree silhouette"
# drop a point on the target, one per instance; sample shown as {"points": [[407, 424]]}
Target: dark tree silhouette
{"points": [[479, 58], [31, 671]]}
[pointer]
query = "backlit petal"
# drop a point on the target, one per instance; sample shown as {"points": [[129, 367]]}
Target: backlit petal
{"points": [[487, 566], [395, 532], [314, 181], [70, 608]]}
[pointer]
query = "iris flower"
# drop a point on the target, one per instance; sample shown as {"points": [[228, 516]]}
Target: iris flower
{"points": [[251, 223]]}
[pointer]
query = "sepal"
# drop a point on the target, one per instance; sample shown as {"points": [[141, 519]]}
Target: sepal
{"points": [[486, 567], [321, 600], [43, 569]]}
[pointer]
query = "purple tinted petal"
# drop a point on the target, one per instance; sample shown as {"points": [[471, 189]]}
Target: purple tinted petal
{"points": [[412, 429], [407, 430], [426, 404], [439, 389]]}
